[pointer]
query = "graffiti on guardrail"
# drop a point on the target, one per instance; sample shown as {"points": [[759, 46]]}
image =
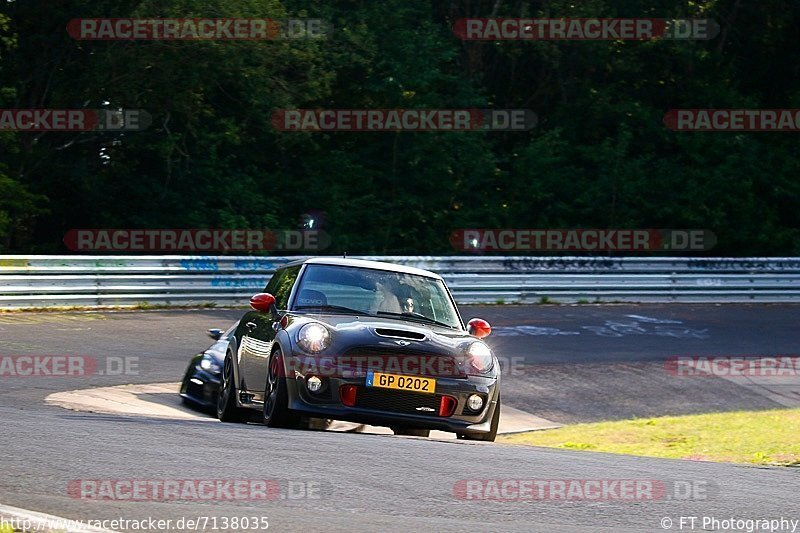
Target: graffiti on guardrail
{"points": [[111, 263], [239, 283], [589, 264], [83, 264], [629, 325], [709, 282], [265, 265], [255, 264], [199, 264], [744, 265]]}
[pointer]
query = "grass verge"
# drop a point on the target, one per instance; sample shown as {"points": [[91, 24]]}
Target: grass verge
{"points": [[757, 437]]}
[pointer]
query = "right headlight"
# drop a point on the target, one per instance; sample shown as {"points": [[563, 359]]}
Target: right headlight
{"points": [[313, 337], [479, 357], [209, 364]]}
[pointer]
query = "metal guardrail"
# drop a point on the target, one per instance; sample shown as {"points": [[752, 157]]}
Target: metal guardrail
{"points": [[90, 281]]}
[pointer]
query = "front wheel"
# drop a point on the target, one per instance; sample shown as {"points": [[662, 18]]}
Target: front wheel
{"points": [[276, 396], [486, 437], [227, 410]]}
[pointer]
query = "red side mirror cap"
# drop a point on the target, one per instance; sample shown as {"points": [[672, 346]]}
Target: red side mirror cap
{"points": [[263, 302], [478, 327]]}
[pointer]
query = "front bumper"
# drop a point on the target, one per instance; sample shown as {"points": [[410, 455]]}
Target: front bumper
{"points": [[390, 407], [201, 387]]}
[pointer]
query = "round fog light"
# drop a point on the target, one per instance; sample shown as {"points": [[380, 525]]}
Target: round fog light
{"points": [[314, 384], [475, 402]]}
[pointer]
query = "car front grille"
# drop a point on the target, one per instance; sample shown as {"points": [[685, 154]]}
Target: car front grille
{"points": [[397, 401], [404, 361]]}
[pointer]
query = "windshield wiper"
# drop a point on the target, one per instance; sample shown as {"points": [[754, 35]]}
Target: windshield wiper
{"points": [[330, 308], [414, 316]]}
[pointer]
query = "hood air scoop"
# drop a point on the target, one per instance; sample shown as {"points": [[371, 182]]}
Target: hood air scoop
{"points": [[400, 334]]}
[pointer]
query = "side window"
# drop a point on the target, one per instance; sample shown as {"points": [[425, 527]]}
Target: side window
{"points": [[272, 284], [280, 286]]}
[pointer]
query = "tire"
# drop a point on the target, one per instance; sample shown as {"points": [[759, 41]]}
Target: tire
{"points": [[486, 437], [276, 413], [409, 432], [227, 410]]}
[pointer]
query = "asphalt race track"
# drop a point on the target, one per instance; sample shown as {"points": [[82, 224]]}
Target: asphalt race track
{"points": [[566, 364]]}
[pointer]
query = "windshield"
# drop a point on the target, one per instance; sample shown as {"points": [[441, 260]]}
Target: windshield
{"points": [[376, 293]]}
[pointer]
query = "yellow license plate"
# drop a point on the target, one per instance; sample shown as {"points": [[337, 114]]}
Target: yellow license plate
{"points": [[398, 382]]}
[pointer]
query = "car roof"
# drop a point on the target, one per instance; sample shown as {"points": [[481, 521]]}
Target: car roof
{"points": [[361, 263]]}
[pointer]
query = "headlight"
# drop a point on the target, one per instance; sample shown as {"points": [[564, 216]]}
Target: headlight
{"points": [[480, 357], [475, 402], [313, 337], [314, 384], [209, 364]]}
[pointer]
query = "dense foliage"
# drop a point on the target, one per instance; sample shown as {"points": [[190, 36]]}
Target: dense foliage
{"points": [[599, 157]]}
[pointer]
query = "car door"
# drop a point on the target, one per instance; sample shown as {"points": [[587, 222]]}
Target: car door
{"points": [[257, 335]]}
